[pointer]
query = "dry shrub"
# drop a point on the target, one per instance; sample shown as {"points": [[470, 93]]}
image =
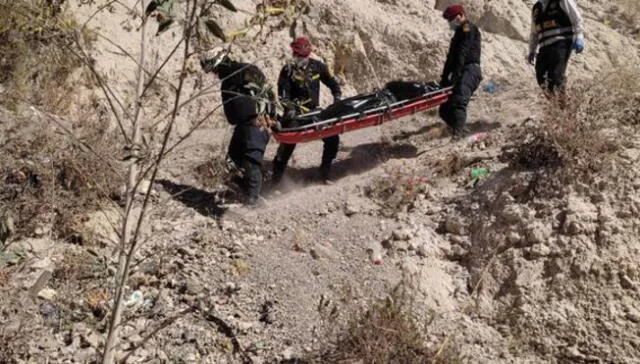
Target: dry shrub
{"points": [[77, 266], [49, 180], [214, 172], [397, 191], [32, 31], [82, 277], [12, 343], [577, 138], [385, 332]]}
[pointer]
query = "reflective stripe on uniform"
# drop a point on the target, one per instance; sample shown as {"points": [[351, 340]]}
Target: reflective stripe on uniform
{"points": [[553, 40], [552, 32]]}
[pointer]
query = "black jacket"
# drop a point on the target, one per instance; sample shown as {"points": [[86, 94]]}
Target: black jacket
{"points": [[245, 92], [463, 50], [304, 85]]}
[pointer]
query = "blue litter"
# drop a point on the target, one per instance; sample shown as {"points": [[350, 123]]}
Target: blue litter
{"points": [[491, 87]]}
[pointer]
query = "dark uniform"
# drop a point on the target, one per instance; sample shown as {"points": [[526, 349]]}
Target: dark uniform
{"points": [[554, 31], [462, 71], [245, 94], [302, 87]]}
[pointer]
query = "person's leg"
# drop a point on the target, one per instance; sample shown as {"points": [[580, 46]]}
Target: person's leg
{"points": [[551, 66], [281, 160], [236, 147], [562, 53], [255, 144], [446, 113], [461, 96], [329, 153], [542, 68]]}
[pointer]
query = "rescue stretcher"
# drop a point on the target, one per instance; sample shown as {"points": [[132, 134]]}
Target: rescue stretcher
{"points": [[365, 111]]}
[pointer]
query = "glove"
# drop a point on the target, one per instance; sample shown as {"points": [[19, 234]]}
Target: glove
{"points": [[532, 58], [337, 98], [445, 82], [578, 45]]}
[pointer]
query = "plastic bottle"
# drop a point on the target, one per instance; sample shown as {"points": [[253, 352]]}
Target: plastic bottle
{"points": [[376, 254]]}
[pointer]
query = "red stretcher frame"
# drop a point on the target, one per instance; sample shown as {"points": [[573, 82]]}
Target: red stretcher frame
{"points": [[326, 128]]}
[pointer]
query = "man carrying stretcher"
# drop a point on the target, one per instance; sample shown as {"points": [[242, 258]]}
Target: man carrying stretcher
{"points": [[299, 91]]}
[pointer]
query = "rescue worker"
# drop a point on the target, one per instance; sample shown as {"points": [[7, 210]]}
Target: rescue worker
{"points": [[461, 69], [556, 29], [249, 104], [299, 90]]}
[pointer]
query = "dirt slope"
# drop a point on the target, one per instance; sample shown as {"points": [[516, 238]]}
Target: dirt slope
{"points": [[556, 277]]}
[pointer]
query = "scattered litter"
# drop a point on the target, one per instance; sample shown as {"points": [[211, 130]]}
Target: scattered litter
{"points": [[477, 173], [49, 312], [376, 253], [135, 298], [477, 137], [491, 87]]}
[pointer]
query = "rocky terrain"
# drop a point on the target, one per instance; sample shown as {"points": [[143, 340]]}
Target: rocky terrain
{"points": [[522, 265]]}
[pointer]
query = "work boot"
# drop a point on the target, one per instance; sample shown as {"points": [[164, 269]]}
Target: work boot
{"points": [[276, 175], [253, 202], [325, 170], [459, 132]]}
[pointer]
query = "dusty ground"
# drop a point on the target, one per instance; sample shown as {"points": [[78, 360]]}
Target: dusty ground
{"points": [[506, 277]]}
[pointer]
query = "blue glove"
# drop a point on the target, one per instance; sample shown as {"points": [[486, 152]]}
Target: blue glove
{"points": [[578, 45]]}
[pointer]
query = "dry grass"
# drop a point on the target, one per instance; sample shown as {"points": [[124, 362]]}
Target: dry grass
{"points": [[32, 31], [577, 139], [385, 332], [214, 172], [48, 180]]}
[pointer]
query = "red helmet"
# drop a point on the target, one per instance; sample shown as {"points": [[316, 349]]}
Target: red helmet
{"points": [[453, 11], [301, 47]]}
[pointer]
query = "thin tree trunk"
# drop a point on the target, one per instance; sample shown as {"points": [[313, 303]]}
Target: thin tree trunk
{"points": [[128, 220]]}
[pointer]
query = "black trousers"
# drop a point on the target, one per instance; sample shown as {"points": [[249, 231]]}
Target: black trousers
{"points": [[454, 111], [329, 153], [246, 150], [551, 65]]}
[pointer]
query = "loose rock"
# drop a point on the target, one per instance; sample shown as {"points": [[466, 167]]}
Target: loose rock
{"points": [[47, 294], [401, 235]]}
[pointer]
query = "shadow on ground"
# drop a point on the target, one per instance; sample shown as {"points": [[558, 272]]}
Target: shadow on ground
{"points": [[438, 130], [204, 202], [361, 158]]}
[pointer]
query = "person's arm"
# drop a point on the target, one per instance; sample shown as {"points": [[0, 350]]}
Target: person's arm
{"points": [[533, 35], [462, 49], [284, 91], [327, 78], [446, 71], [284, 84], [571, 8]]}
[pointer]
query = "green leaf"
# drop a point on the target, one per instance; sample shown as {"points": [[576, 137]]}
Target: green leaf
{"points": [[228, 5], [215, 29]]}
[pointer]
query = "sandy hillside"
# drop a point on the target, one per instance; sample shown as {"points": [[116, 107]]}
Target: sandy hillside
{"points": [[502, 270]]}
